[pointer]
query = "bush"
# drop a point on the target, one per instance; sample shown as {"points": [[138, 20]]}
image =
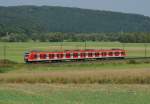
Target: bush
{"points": [[5, 69], [132, 62], [6, 61], [6, 65]]}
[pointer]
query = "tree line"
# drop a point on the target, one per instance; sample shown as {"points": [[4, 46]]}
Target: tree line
{"points": [[55, 24], [124, 37]]}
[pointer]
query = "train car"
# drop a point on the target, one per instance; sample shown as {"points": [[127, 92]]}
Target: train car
{"points": [[68, 55]]}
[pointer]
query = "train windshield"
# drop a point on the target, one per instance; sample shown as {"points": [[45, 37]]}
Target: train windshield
{"points": [[26, 54]]}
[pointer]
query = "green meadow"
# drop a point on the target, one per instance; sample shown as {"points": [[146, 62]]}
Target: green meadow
{"points": [[15, 51], [89, 82], [74, 94]]}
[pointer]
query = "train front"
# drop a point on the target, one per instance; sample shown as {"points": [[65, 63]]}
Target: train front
{"points": [[26, 57]]}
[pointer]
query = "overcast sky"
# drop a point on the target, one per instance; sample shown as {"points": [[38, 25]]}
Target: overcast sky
{"points": [[127, 6]]}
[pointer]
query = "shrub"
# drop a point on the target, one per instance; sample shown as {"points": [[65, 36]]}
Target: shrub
{"points": [[132, 62]]}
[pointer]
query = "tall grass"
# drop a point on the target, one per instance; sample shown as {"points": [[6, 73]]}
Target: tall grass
{"points": [[80, 77]]}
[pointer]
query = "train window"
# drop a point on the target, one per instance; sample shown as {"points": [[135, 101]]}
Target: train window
{"points": [[97, 54], [82, 54], [117, 53], [51, 56], [89, 54], [59, 55], [104, 53], [75, 54], [110, 53], [62, 55], [34, 56], [68, 55], [122, 53], [42, 56]]}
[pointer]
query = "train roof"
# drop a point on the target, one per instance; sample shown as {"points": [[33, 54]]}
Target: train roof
{"points": [[86, 50]]}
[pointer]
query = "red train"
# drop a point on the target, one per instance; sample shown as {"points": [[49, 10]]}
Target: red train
{"points": [[68, 55]]}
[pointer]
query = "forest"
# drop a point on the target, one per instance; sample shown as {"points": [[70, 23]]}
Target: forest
{"points": [[52, 23]]}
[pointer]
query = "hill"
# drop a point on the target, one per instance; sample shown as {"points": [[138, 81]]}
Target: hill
{"points": [[30, 19]]}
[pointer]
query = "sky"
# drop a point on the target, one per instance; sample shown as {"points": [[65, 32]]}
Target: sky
{"points": [[127, 6]]}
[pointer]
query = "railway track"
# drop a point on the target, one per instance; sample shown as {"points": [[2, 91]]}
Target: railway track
{"points": [[128, 60], [137, 58]]}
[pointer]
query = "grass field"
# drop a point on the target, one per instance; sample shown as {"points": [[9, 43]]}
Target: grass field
{"points": [[74, 94], [15, 51], [100, 82], [116, 72]]}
